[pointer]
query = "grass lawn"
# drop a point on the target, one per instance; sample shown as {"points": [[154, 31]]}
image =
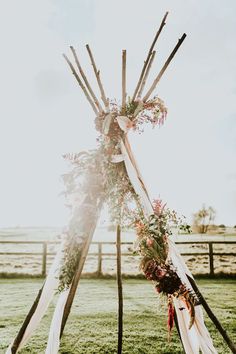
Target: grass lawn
{"points": [[92, 325]]}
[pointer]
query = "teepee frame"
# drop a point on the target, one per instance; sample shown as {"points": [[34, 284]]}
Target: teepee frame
{"points": [[99, 108]]}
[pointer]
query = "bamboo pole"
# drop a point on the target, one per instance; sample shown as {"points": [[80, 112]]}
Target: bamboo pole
{"points": [[212, 316], [157, 79], [86, 80], [123, 81], [97, 74], [22, 330], [120, 290], [81, 85], [146, 74], [78, 272], [163, 22]]}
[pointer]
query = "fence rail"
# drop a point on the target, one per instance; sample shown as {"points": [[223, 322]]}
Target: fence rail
{"points": [[100, 254]]}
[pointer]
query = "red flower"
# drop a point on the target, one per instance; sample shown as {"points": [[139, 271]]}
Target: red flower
{"points": [[171, 316], [158, 289], [161, 273]]}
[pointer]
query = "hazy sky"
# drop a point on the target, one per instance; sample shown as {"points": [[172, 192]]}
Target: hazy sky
{"points": [[188, 162]]}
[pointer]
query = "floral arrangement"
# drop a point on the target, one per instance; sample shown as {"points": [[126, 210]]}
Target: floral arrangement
{"points": [[152, 245], [113, 185], [138, 112], [110, 181]]}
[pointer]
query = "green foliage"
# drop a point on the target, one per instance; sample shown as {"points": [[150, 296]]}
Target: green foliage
{"points": [[86, 168], [130, 107]]}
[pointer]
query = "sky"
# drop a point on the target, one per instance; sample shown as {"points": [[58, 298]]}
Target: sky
{"points": [[188, 162]]}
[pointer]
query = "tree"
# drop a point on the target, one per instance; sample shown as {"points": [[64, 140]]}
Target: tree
{"points": [[203, 219], [222, 226]]}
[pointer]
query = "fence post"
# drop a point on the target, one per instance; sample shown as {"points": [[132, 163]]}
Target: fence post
{"points": [[99, 270], [211, 258], [44, 259]]}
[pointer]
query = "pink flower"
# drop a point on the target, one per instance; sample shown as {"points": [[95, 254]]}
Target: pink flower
{"points": [[149, 242], [162, 273], [139, 225], [158, 206]]}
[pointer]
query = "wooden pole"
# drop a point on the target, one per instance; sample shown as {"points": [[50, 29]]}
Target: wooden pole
{"points": [[163, 22], [120, 290], [44, 259], [123, 81], [157, 79], [78, 272], [97, 74], [146, 74], [86, 80], [211, 258], [212, 316], [22, 330], [99, 271], [81, 85]]}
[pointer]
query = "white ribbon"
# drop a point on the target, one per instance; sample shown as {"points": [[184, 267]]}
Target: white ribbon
{"points": [[55, 328], [197, 338], [117, 158], [124, 123], [132, 173], [107, 123], [49, 289], [201, 333]]}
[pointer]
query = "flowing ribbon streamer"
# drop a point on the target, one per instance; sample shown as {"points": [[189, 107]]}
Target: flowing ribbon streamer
{"points": [[201, 332], [55, 328], [49, 289], [198, 336]]}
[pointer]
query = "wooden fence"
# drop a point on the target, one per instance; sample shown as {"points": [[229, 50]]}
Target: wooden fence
{"points": [[45, 253]]}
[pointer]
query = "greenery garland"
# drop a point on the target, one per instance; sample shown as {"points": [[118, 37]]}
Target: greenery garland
{"points": [[113, 185]]}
